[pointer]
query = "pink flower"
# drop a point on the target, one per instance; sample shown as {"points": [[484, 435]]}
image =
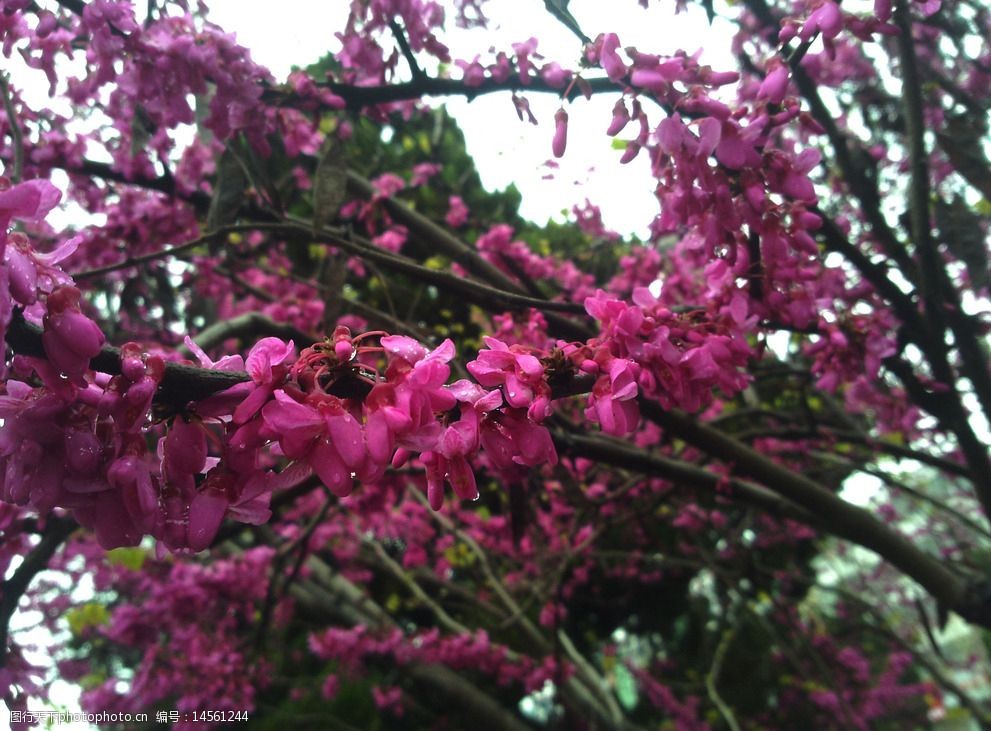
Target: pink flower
{"points": [[132, 477], [28, 201], [387, 184], [423, 172], [392, 239], [324, 435], [457, 212], [620, 118], [555, 75], [473, 72], [774, 85], [454, 469], [70, 338], [612, 402], [266, 364], [519, 373], [826, 19], [524, 52], [184, 447], [510, 439], [609, 58]]}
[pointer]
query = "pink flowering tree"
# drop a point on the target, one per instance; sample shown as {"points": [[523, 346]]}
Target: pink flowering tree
{"points": [[301, 424]]}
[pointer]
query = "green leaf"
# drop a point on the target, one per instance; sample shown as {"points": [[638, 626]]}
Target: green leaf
{"points": [[130, 558], [88, 615], [626, 687], [329, 182], [228, 191]]}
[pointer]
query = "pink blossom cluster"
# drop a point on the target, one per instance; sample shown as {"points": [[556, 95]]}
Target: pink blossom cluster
{"points": [[77, 439], [365, 59], [79, 444], [864, 693], [266, 292], [851, 349], [341, 419], [204, 609], [678, 359], [343, 410], [512, 256], [24, 273], [521, 64]]}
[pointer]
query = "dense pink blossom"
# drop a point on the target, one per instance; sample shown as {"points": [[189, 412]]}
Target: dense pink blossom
{"points": [[645, 439]]}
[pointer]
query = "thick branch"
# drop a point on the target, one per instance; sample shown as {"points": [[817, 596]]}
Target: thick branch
{"points": [[57, 530], [481, 294], [971, 601], [358, 97], [180, 384]]}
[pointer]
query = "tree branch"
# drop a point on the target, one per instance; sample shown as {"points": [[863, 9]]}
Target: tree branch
{"points": [[180, 384], [16, 137], [56, 531], [359, 97]]}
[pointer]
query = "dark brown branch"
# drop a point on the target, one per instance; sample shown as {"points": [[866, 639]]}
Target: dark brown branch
{"points": [[180, 384], [56, 531], [481, 294], [504, 292], [919, 204], [359, 97], [928, 332], [440, 240], [75, 6], [400, 36], [151, 256]]}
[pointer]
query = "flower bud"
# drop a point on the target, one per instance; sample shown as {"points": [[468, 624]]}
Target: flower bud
{"points": [[620, 118], [560, 141]]}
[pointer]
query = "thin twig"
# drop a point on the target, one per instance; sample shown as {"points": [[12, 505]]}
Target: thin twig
{"points": [[151, 256], [449, 623], [16, 136], [712, 679]]}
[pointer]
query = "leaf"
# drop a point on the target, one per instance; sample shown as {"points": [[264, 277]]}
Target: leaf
{"points": [[130, 558], [228, 191], [962, 143], [626, 687], [329, 182], [85, 616], [962, 232], [559, 9], [258, 172]]}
